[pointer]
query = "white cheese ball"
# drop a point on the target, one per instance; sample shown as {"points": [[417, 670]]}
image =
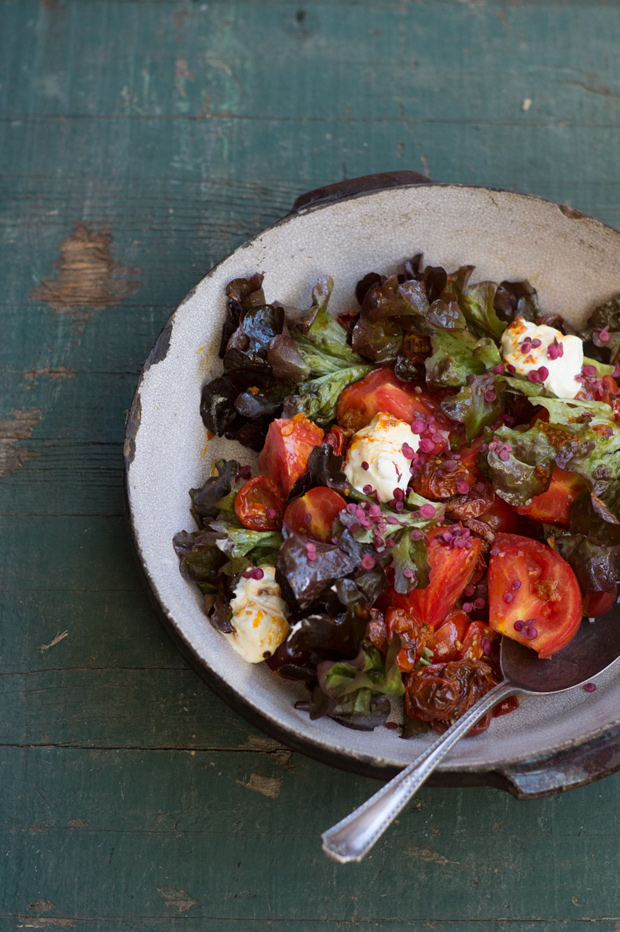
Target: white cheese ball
{"points": [[259, 617], [562, 369], [375, 456]]}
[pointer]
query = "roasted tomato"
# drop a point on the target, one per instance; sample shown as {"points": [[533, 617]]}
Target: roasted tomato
{"points": [[534, 596], [501, 517], [313, 514], [554, 505], [447, 641], [383, 392], [338, 439], [451, 570], [414, 634], [442, 477], [442, 692], [596, 604], [475, 641], [288, 444], [258, 505]]}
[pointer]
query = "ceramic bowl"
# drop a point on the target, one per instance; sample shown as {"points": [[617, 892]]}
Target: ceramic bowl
{"points": [[574, 263]]}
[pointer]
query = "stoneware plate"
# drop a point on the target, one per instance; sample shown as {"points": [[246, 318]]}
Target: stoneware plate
{"points": [[369, 224]]}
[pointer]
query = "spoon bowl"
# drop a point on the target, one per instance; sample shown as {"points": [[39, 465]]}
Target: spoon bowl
{"points": [[593, 649]]}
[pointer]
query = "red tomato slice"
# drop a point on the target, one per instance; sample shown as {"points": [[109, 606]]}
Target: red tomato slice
{"points": [[382, 392], [534, 596], [258, 505], [451, 570], [447, 641], [596, 604], [288, 444], [313, 514], [554, 505]]}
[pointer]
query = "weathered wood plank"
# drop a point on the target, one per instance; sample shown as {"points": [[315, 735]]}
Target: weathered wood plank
{"points": [[236, 832]]}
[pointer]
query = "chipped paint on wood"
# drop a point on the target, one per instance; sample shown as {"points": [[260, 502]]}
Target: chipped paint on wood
{"points": [[18, 427], [90, 278], [267, 786], [270, 747], [41, 906], [45, 372], [45, 922], [54, 641], [177, 899]]}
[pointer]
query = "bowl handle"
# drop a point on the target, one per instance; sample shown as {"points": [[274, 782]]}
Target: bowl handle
{"points": [[352, 186], [567, 770]]}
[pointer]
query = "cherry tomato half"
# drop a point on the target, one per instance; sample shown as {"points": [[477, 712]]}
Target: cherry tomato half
{"points": [[534, 596], [313, 514], [288, 444], [258, 505], [338, 439], [451, 570]]}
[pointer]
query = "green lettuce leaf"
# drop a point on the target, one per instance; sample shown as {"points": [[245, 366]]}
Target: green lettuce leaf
{"points": [[520, 464], [457, 355]]}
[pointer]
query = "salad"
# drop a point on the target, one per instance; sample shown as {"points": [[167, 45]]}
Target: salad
{"points": [[438, 467]]}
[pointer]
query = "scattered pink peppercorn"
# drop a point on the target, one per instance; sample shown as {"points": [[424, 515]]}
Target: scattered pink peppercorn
{"points": [[270, 514], [368, 562], [487, 646], [479, 604], [462, 487], [427, 511], [467, 607], [590, 687]]}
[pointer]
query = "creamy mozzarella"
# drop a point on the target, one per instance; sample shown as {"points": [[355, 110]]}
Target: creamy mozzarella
{"points": [[375, 456], [562, 370], [259, 617]]}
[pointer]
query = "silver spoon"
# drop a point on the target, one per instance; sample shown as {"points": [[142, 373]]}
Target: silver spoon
{"points": [[595, 646]]}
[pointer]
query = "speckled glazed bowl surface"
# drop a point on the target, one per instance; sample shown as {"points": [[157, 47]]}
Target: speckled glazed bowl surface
{"points": [[574, 263]]}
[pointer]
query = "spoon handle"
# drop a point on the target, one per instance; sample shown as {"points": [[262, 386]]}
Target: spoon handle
{"points": [[353, 837]]}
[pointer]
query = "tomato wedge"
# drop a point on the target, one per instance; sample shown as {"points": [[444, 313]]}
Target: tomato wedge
{"points": [[596, 604], [451, 570], [313, 514], [553, 506], [534, 596], [258, 505], [382, 392], [288, 444]]}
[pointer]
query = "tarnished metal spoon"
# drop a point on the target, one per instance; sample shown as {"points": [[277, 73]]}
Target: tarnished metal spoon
{"points": [[595, 646]]}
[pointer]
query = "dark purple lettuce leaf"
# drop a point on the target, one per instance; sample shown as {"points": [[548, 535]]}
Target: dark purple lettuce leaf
{"points": [[606, 317], [285, 359], [256, 401], [248, 347], [241, 294], [516, 299], [304, 578], [378, 333], [214, 495], [596, 567], [324, 468], [520, 464], [200, 561], [476, 406]]}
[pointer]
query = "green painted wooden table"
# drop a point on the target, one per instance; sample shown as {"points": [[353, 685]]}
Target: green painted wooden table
{"points": [[140, 142]]}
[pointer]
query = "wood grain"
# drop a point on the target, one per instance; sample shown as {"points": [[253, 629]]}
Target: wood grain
{"points": [[169, 132]]}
